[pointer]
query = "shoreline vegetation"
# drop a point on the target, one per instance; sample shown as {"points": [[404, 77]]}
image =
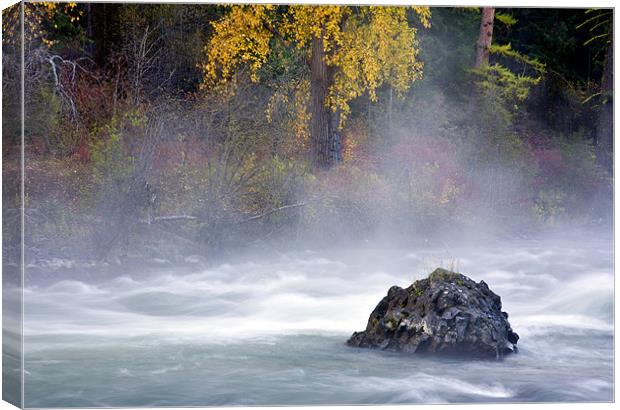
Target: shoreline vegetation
{"points": [[168, 131]]}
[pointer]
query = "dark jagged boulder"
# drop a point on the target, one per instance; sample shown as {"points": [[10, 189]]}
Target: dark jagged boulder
{"points": [[446, 313]]}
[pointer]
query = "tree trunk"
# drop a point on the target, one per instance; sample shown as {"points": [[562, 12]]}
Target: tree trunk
{"points": [[485, 38], [89, 28], [605, 127], [89, 21], [323, 129]]}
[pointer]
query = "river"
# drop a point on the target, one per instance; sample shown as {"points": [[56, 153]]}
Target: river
{"points": [[271, 330]]}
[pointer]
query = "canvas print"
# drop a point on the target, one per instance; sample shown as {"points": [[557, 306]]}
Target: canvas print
{"points": [[255, 204]]}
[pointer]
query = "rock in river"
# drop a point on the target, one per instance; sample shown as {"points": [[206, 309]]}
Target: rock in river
{"points": [[446, 313]]}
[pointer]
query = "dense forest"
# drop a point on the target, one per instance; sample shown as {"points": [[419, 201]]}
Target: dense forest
{"points": [[176, 129]]}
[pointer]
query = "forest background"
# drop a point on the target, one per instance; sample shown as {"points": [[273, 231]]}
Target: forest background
{"points": [[167, 130]]}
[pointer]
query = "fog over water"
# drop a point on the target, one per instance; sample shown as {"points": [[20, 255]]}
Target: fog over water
{"points": [[271, 330]]}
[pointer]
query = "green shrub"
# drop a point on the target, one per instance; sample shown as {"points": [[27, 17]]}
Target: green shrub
{"points": [[549, 206]]}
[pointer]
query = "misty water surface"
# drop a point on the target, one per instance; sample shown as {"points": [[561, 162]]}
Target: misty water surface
{"points": [[271, 330]]}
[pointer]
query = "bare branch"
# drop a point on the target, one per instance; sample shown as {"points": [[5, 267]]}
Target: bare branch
{"points": [[282, 208]]}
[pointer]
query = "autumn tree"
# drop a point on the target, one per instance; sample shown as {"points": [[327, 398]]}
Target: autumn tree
{"points": [[350, 51]]}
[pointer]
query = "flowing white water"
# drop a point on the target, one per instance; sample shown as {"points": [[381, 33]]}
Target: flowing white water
{"points": [[272, 331]]}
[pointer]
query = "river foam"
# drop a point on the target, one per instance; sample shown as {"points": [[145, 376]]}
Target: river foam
{"points": [[292, 313]]}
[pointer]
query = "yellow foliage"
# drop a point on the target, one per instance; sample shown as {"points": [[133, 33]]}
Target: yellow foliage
{"points": [[367, 46], [302, 23], [35, 15], [294, 95], [242, 37], [378, 47]]}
